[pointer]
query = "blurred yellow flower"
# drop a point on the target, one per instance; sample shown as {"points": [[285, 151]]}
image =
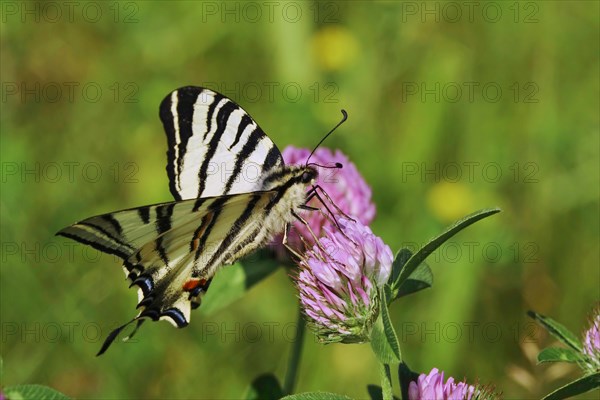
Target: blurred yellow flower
{"points": [[334, 47], [450, 201]]}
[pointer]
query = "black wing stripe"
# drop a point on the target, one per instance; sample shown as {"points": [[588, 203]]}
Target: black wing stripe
{"points": [[186, 98], [114, 223], [216, 208], [200, 229], [137, 266], [234, 230], [95, 245], [198, 203], [129, 266], [272, 159], [211, 111], [144, 213], [168, 119], [163, 217], [163, 224], [117, 240], [242, 156], [246, 120], [222, 117], [161, 250], [248, 241]]}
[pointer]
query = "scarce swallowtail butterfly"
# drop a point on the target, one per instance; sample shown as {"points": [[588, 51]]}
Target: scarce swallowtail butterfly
{"points": [[172, 250]]}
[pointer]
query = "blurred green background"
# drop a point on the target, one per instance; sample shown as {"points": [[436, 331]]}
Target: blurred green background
{"points": [[452, 108]]}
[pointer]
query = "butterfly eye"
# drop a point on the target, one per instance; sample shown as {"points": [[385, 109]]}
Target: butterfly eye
{"points": [[307, 177]]}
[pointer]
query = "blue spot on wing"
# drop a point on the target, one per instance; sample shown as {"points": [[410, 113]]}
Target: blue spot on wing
{"points": [[176, 315], [145, 283]]}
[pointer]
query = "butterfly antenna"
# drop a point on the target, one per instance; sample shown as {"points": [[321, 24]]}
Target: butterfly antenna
{"points": [[337, 165], [344, 118]]}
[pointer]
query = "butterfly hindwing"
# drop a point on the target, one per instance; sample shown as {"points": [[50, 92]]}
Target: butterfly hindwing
{"points": [[170, 248], [223, 233], [215, 147]]}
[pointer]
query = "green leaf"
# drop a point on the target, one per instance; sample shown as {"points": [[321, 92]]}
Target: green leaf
{"points": [[383, 336], [402, 256], [421, 278], [386, 381], [316, 396], [405, 377], [558, 330], [233, 281], [556, 354], [33, 392], [574, 388], [265, 387], [411, 265]]}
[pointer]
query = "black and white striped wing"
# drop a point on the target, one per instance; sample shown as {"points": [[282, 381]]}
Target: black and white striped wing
{"points": [[123, 232], [215, 147], [172, 250]]}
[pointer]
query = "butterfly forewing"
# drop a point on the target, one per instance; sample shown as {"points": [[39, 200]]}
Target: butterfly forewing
{"points": [[215, 147]]}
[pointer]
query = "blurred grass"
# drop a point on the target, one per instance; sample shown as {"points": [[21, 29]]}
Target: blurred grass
{"points": [[547, 233]]}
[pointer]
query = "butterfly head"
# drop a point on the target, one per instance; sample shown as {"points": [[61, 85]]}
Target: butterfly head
{"points": [[309, 175]]}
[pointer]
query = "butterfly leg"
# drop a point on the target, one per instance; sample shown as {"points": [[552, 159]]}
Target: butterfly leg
{"points": [[309, 208], [285, 242], [318, 187], [313, 193], [305, 223]]}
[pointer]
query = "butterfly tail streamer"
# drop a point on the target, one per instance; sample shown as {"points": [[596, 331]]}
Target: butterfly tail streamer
{"points": [[115, 333]]}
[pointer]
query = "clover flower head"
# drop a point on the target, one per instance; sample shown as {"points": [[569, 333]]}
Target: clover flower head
{"points": [[339, 279], [432, 387]]}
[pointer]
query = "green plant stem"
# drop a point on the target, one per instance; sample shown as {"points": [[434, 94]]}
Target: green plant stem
{"points": [[386, 381], [292, 370]]}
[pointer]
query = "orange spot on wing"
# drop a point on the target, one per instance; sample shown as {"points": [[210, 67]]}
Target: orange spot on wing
{"points": [[193, 284]]}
